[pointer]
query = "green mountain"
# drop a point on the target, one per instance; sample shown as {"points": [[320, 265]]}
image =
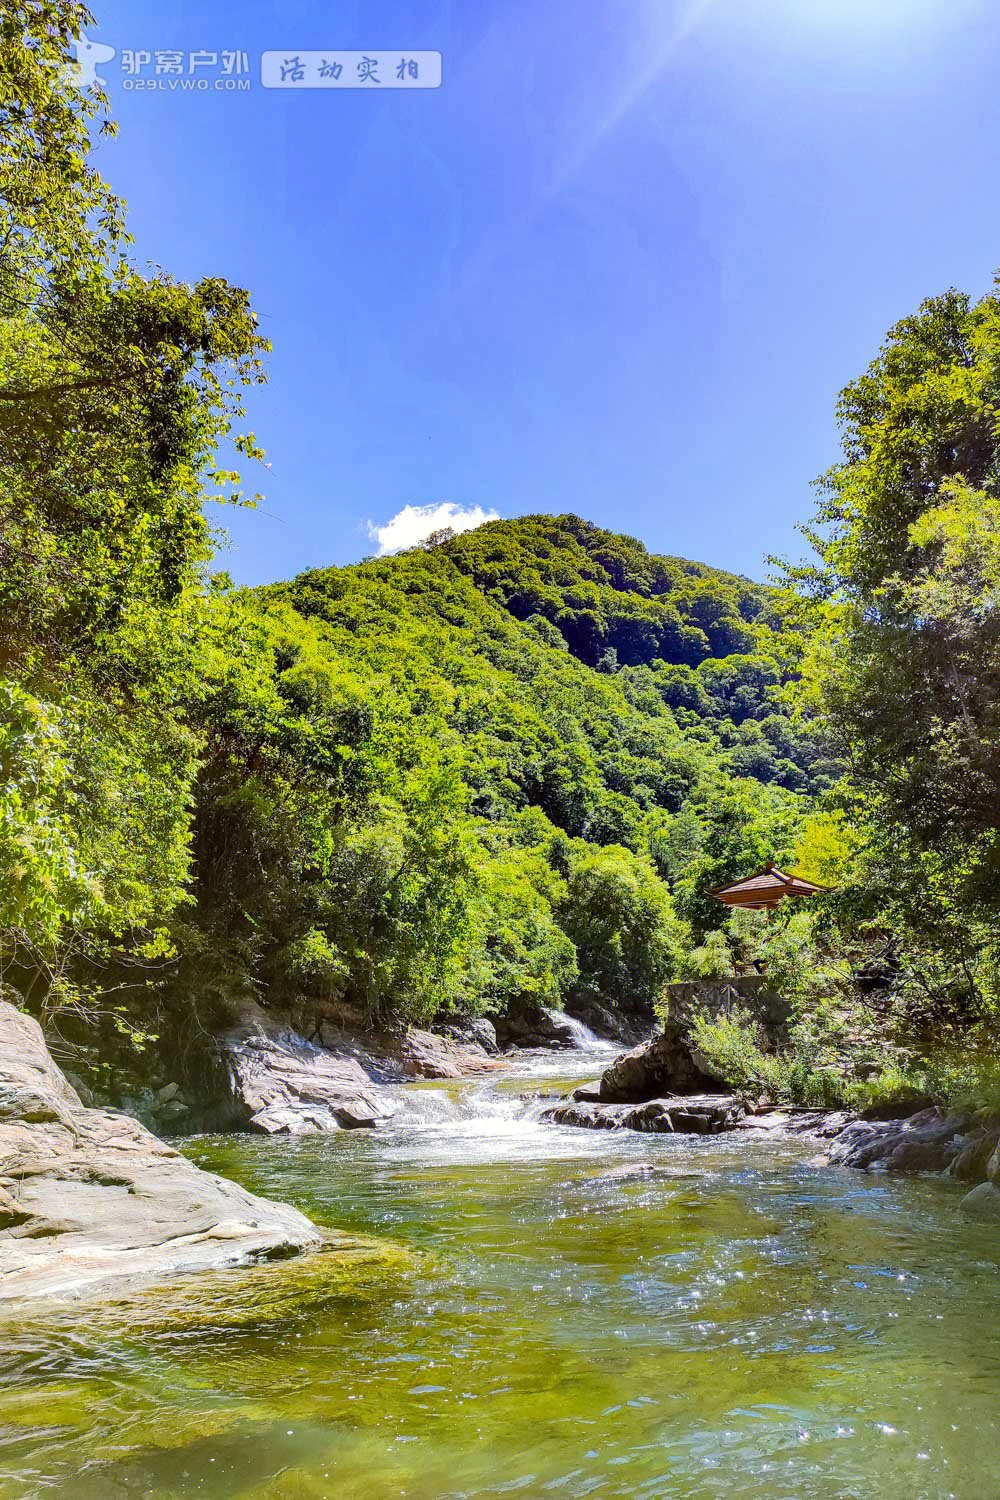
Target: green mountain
{"points": [[504, 767]]}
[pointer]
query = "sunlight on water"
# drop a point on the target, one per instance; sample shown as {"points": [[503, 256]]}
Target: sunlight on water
{"points": [[588, 1314]]}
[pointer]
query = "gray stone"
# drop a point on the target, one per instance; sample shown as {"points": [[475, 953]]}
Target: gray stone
{"points": [[698, 1114], [485, 1033], [661, 1066], [91, 1202], [479, 1034], [168, 1092], [589, 1116], [983, 1203], [527, 1024], [972, 1162], [718, 998], [928, 1141], [282, 1084]]}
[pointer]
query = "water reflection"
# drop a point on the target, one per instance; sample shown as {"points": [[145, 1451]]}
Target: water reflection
{"points": [[589, 1314]]}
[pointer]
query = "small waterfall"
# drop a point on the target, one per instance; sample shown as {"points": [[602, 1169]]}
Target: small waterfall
{"points": [[470, 1105], [508, 1103], [584, 1039]]}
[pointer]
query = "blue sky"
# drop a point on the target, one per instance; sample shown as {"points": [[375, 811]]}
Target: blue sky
{"points": [[620, 263]]}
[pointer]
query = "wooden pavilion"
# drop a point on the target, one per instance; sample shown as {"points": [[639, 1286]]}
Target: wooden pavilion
{"points": [[765, 889]]}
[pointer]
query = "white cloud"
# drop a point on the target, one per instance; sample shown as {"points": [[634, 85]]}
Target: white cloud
{"points": [[415, 522]]}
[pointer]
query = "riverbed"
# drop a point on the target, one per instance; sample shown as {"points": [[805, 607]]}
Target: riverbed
{"points": [[585, 1313]]}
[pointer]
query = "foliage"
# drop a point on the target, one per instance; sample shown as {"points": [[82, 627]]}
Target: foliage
{"points": [[115, 390], [904, 664]]}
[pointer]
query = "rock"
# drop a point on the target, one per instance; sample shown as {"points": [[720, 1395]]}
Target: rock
{"points": [[479, 1033], [421, 1054], [717, 998], [926, 1142], [704, 1115], [670, 1062], [525, 1024], [972, 1162], [641, 1171], [699, 1114], [168, 1092], [174, 1109], [993, 1167], [824, 1124], [76, 1083], [485, 1033], [983, 1202], [91, 1202], [589, 1116], [281, 1083], [661, 1066], [620, 1020]]}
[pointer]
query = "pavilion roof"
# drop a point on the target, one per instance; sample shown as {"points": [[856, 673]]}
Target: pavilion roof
{"points": [[764, 888]]}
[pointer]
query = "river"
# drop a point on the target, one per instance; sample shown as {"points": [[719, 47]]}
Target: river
{"points": [[586, 1314]]}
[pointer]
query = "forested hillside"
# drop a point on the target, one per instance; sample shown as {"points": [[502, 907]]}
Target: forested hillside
{"points": [[504, 767], [501, 769]]}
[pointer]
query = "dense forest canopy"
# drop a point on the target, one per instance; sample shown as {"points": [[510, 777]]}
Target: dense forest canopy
{"points": [[504, 812]]}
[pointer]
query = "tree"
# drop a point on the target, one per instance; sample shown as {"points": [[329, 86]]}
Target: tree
{"points": [[906, 663], [115, 391]]}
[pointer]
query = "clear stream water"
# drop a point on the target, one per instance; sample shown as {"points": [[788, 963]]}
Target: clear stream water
{"points": [[584, 1314]]}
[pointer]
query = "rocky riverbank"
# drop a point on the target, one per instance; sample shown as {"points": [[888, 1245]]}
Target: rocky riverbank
{"points": [[301, 1069], [664, 1086], [92, 1202]]}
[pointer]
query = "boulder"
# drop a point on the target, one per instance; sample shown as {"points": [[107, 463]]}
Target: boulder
{"points": [[664, 1065], [480, 1033], [928, 1141], [983, 1203], [670, 1062], [972, 1164], [485, 1034], [697, 1114], [621, 1020], [422, 1054], [525, 1024], [588, 1116], [279, 1080], [91, 1202], [718, 998], [993, 1167], [281, 1083]]}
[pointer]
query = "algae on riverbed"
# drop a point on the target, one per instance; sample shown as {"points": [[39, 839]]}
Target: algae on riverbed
{"points": [[347, 1269]]}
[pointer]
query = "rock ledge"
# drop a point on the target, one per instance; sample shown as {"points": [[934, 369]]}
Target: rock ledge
{"points": [[92, 1203]]}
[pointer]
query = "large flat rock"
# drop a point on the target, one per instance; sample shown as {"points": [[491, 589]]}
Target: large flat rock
{"points": [[282, 1082], [91, 1202], [686, 1114]]}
